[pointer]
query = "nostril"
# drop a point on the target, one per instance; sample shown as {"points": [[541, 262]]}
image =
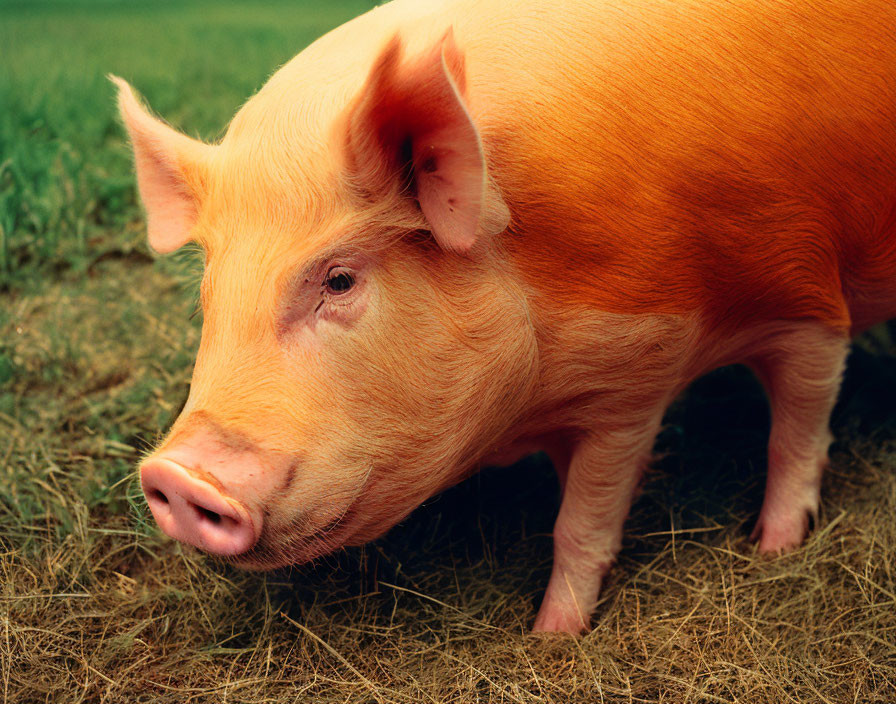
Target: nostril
{"points": [[195, 511], [157, 495], [208, 514]]}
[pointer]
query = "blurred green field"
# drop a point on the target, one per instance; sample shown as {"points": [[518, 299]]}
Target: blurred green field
{"points": [[97, 338], [67, 191]]}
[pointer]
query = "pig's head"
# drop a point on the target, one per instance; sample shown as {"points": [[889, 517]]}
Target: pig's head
{"points": [[365, 341]]}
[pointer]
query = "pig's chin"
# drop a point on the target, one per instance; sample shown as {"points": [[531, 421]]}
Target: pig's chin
{"points": [[293, 544], [303, 539], [280, 548]]}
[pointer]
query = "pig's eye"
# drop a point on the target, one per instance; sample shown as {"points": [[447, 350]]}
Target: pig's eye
{"points": [[339, 280]]}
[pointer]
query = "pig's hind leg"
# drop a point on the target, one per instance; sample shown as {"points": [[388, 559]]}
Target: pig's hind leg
{"points": [[801, 370]]}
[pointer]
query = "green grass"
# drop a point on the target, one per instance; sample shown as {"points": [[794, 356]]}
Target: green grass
{"points": [[66, 190], [96, 347]]}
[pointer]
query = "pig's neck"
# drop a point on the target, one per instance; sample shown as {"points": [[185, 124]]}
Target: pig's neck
{"points": [[600, 369]]}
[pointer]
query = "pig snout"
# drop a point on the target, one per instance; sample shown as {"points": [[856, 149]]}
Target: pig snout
{"points": [[194, 511]]}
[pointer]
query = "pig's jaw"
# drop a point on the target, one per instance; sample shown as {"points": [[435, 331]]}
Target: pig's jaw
{"points": [[290, 546], [372, 512], [293, 550], [299, 540]]}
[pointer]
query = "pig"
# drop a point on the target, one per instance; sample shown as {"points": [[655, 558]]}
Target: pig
{"points": [[450, 234]]}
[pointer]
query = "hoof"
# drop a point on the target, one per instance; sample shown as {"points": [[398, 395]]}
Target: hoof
{"points": [[560, 619], [782, 533]]}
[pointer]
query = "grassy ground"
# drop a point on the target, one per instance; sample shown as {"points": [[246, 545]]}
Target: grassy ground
{"points": [[96, 344]]}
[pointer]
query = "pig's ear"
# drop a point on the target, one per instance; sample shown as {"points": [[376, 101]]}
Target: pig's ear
{"points": [[409, 123], [168, 165]]}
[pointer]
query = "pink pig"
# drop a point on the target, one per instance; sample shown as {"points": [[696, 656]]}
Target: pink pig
{"points": [[451, 234]]}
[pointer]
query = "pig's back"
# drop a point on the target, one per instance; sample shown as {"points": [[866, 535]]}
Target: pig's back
{"points": [[737, 159]]}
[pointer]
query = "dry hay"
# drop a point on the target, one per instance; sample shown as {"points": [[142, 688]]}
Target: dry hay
{"points": [[439, 610]]}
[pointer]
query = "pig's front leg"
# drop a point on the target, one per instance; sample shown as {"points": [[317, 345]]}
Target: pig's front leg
{"points": [[603, 474]]}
